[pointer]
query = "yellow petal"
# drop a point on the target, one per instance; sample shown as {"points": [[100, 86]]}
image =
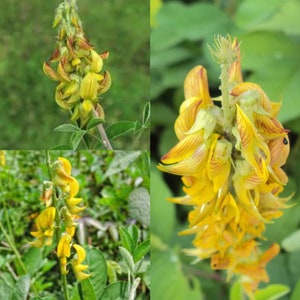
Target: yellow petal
{"points": [[97, 62], [235, 71], [186, 119], [81, 254], [64, 246], [269, 127], [89, 86], [252, 144], [196, 85], [218, 166], [184, 148], [279, 151], [74, 187], [262, 97]]}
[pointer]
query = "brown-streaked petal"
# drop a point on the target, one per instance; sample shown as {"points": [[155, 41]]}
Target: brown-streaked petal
{"points": [[196, 85]]}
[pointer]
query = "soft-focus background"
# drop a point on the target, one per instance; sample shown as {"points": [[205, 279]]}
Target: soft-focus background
{"points": [[270, 35], [28, 111]]}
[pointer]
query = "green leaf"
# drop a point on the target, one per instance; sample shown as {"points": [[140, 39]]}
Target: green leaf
{"points": [[269, 16], [146, 113], [22, 288], [76, 138], [272, 292], [126, 239], [296, 292], [168, 282], [121, 161], [97, 266], [6, 287], [139, 205], [33, 260], [292, 242], [275, 60], [127, 256], [94, 122], [122, 128], [197, 21], [160, 207], [116, 291], [134, 233], [141, 250], [86, 290], [236, 292], [67, 128]]}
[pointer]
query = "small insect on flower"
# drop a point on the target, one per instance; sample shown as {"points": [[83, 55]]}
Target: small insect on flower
{"points": [[230, 160]]}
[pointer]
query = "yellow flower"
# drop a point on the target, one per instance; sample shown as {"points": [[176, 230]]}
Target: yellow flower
{"points": [[77, 66], [77, 265], [45, 228], [71, 201], [64, 251], [232, 174], [62, 173]]}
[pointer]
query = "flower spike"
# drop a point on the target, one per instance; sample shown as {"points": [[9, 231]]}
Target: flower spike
{"points": [[230, 160]]}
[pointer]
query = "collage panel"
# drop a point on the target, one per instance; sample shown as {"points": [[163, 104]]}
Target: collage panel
{"points": [[75, 74], [74, 224], [224, 149]]}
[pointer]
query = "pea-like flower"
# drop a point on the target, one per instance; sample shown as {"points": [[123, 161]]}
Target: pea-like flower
{"points": [[230, 160], [45, 228], [77, 265], [78, 73], [64, 251]]}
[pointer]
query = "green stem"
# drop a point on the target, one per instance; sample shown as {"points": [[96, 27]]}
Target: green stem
{"points": [[17, 254], [225, 96], [57, 227]]}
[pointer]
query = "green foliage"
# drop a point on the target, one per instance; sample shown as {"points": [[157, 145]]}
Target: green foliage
{"points": [[269, 35], [28, 111], [98, 172]]}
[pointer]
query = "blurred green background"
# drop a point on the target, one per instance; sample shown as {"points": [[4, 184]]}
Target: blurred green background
{"points": [[269, 32], [28, 111]]}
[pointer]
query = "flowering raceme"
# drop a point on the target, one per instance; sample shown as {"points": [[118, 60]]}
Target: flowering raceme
{"points": [[230, 160], [52, 218], [78, 73]]}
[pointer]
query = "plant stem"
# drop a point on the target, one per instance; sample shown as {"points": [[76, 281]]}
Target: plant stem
{"points": [[105, 140], [17, 254], [57, 227], [225, 96]]}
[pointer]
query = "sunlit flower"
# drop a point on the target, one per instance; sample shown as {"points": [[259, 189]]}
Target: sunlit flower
{"points": [[45, 228], [77, 265], [231, 168]]}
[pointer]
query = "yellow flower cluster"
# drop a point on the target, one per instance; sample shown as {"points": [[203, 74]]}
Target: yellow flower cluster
{"points": [[78, 67], [232, 175], [47, 221]]}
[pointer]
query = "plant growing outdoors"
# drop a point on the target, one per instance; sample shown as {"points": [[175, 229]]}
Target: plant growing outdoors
{"points": [[230, 158], [82, 82], [79, 241]]}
